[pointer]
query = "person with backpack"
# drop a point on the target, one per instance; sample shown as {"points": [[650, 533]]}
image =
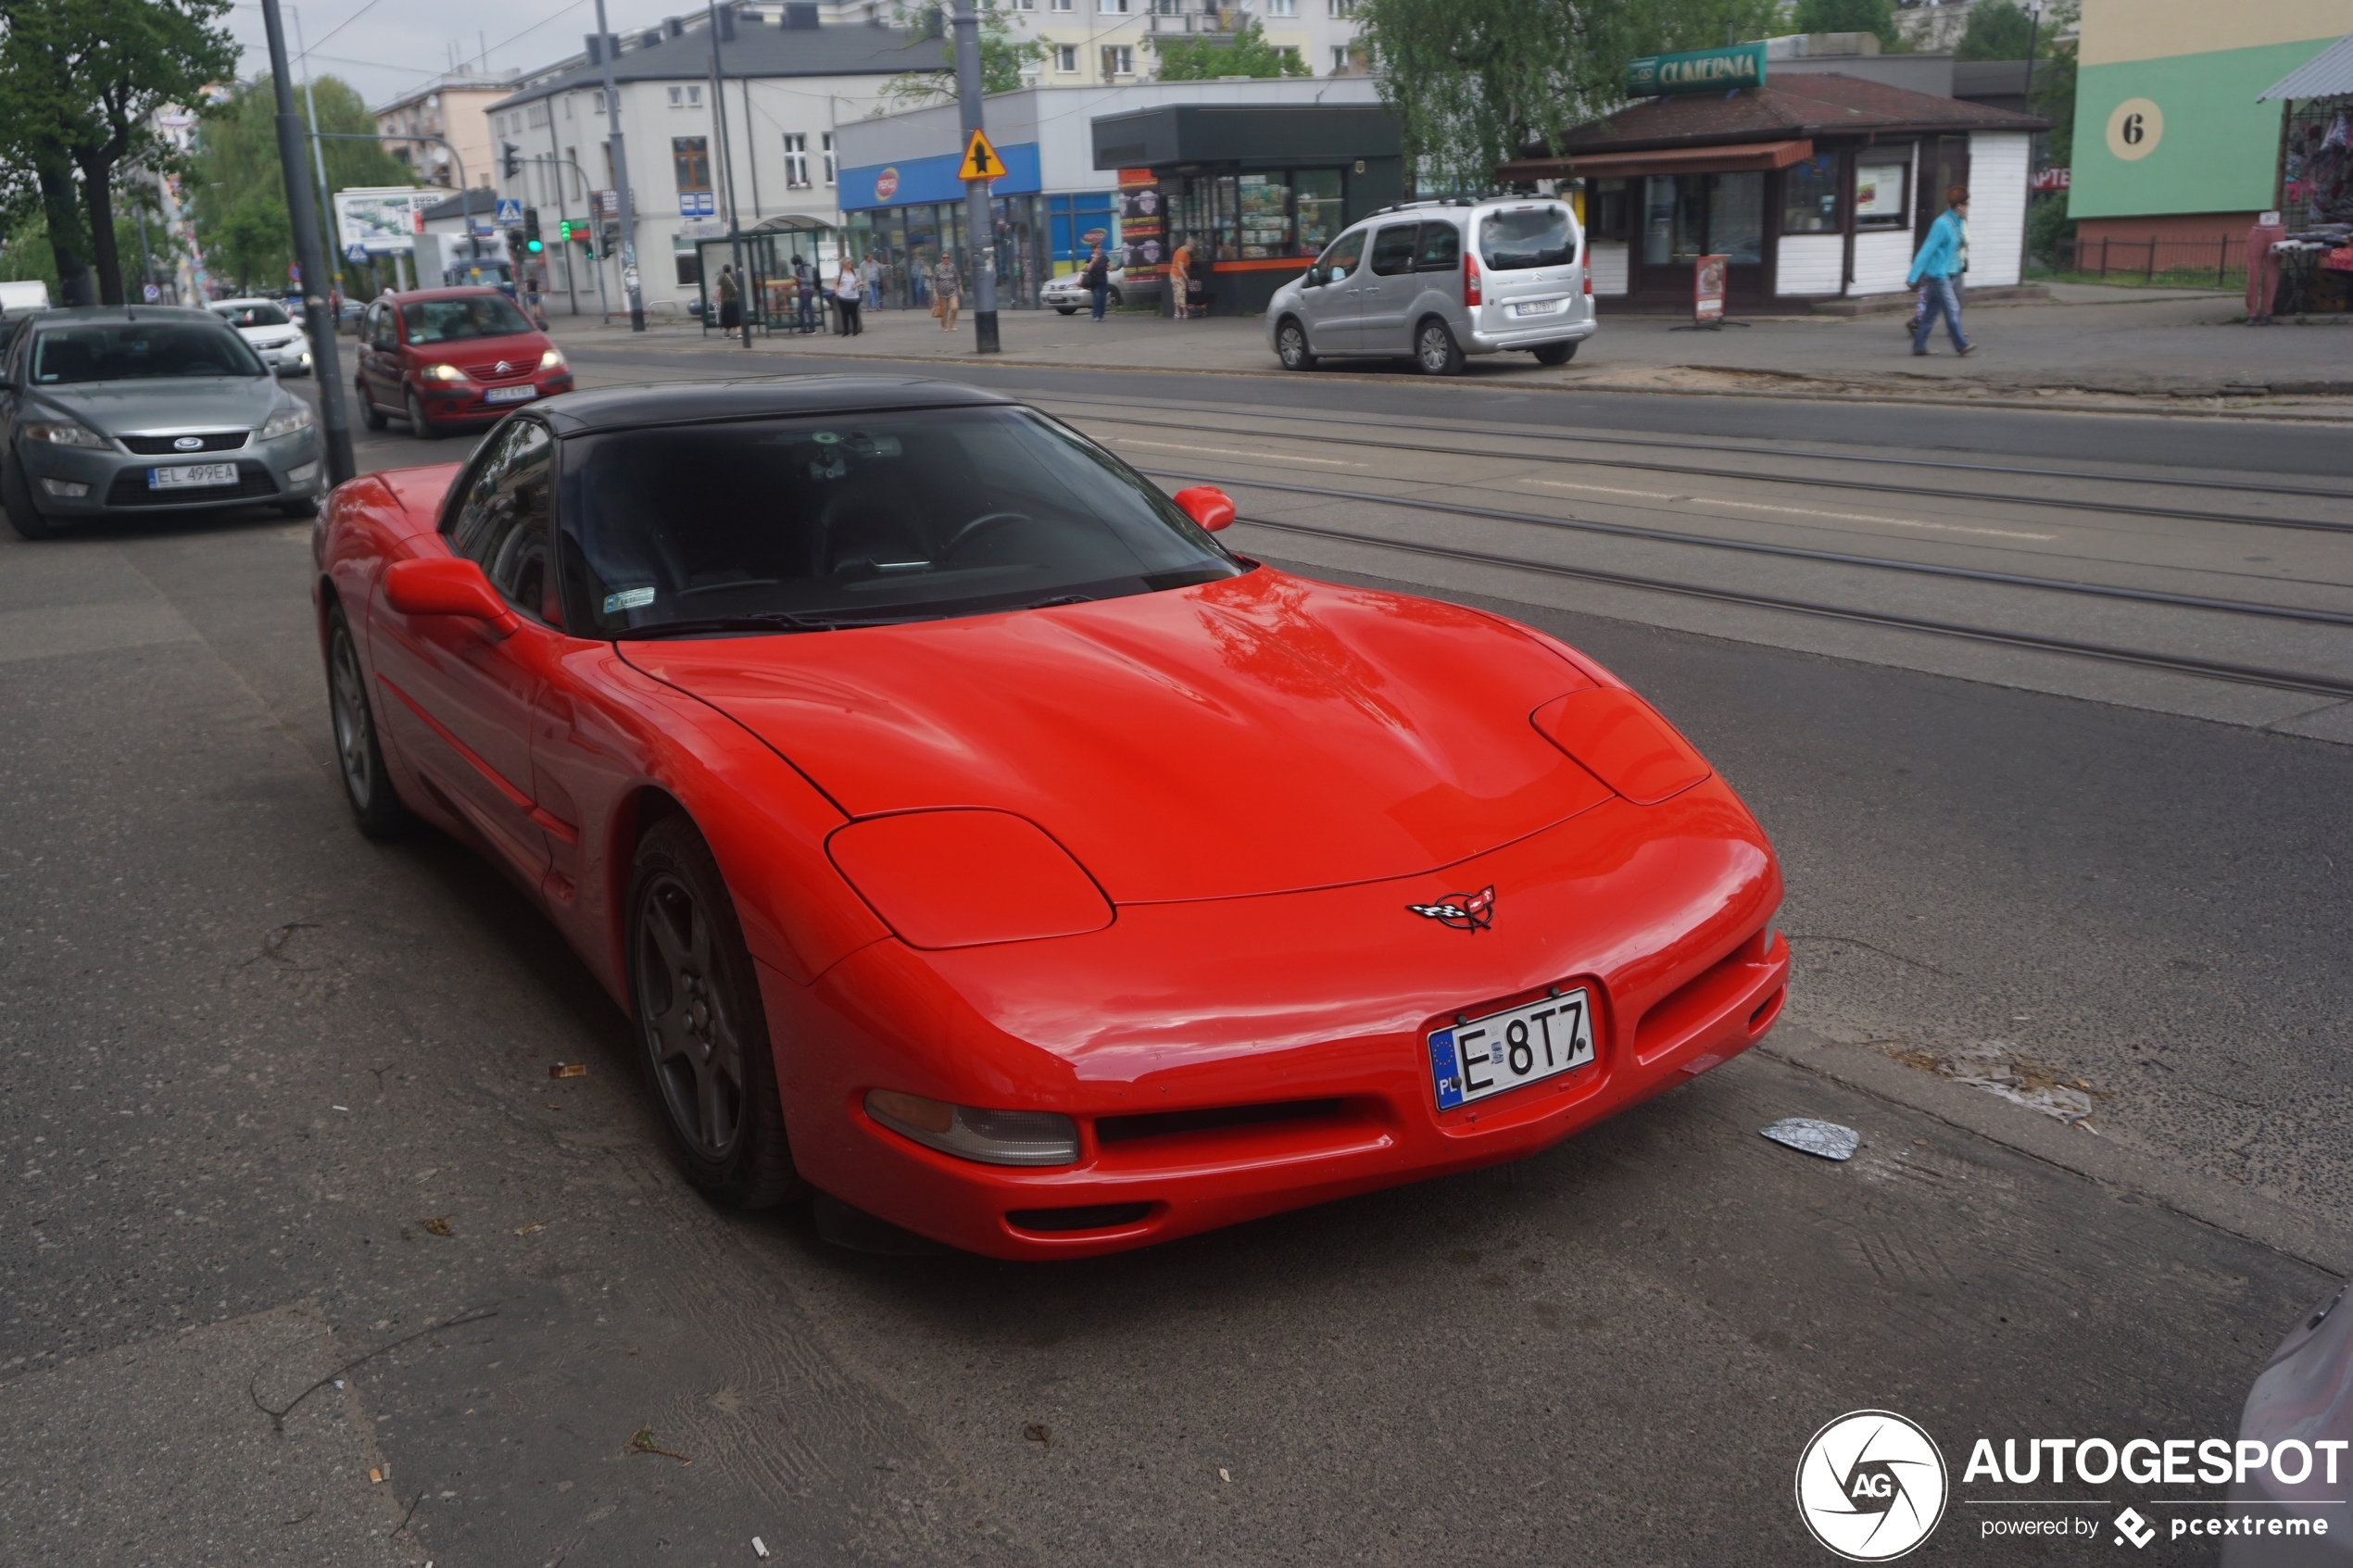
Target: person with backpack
{"points": [[1096, 280], [1938, 267]]}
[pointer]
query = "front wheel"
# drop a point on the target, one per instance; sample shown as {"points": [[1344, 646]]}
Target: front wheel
{"points": [[702, 1031], [1291, 347], [1556, 353], [1436, 351], [420, 427], [367, 788], [1111, 298], [16, 495]]}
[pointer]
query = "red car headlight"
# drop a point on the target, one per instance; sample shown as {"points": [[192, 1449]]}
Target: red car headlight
{"points": [[962, 877], [1617, 737]]}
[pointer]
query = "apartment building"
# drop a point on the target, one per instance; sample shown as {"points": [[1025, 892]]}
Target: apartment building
{"points": [[454, 107]]}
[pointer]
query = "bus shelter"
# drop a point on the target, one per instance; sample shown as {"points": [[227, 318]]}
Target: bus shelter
{"points": [[770, 296]]}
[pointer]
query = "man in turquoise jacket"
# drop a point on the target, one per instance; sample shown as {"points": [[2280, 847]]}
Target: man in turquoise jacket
{"points": [[1938, 267]]}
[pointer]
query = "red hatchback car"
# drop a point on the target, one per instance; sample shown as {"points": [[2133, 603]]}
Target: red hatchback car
{"points": [[448, 359]]}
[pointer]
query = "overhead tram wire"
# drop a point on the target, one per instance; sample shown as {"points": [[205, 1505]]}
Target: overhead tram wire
{"points": [[1795, 552]]}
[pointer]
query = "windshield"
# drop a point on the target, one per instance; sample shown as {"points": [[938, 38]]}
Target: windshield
{"points": [[918, 514], [1527, 236], [140, 351], [455, 320], [262, 315]]}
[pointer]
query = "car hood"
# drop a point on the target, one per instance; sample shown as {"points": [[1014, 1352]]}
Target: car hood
{"points": [[208, 402], [1259, 734], [516, 348]]}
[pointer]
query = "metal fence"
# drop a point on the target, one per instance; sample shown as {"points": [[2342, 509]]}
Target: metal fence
{"points": [[2210, 261]]}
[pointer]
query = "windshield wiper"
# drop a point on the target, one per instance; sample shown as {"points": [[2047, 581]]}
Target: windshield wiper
{"points": [[766, 621], [1062, 599]]}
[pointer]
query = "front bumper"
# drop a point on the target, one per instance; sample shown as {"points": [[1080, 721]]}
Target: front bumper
{"points": [[469, 402], [115, 482], [1169, 1035]]}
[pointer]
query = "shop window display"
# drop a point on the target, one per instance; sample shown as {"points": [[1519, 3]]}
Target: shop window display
{"points": [[1264, 202], [1810, 197]]}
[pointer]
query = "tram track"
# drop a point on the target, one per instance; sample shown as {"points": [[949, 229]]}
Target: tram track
{"points": [[2242, 674], [1970, 497], [1795, 552]]}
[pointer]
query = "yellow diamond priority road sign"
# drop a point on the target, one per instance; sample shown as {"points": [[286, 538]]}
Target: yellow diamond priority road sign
{"points": [[981, 161]]}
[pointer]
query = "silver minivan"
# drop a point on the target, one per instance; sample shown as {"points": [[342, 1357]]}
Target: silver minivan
{"points": [[1439, 280]]}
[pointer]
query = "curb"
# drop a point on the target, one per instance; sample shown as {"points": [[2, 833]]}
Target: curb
{"points": [[2132, 1174]]}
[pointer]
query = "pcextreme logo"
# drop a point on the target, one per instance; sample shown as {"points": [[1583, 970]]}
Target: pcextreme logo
{"points": [[1871, 1486]]}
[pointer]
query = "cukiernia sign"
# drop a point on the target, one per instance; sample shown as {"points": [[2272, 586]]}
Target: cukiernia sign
{"points": [[1703, 71]]}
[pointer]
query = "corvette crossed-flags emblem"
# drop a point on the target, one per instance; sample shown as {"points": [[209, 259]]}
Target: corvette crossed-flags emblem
{"points": [[1462, 912]]}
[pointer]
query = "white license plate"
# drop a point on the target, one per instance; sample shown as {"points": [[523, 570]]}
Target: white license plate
{"points": [[1521, 1045], [511, 394], [1536, 308], [194, 476]]}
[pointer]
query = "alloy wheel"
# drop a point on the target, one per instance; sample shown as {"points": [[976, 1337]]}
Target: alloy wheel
{"points": [[350, 716], [689, 1037]]}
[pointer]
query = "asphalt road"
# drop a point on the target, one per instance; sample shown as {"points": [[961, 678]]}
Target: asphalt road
{"points": [[283, 1094]]}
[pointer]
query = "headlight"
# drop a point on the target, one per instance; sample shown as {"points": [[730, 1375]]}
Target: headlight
{"points": [[552, 360], [959, 878], [63, 432], [992, 1137], [285, 422], [442, 372]]}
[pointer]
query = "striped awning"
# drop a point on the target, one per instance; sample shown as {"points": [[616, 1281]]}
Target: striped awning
{"points": [[2328, 74]]}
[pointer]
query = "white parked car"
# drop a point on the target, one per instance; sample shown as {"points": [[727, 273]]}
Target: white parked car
{"points": [[1066, 295], [268, 331]]}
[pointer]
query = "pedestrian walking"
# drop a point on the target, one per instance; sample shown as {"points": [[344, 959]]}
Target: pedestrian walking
{"points": [[872, 272], [1938, 267], [731, 305], [947, 290], [804, 278], [1096, 280], [849, 289], [530, 302]]}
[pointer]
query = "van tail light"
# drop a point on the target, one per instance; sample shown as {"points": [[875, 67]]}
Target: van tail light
{"points": [[1470, 280], [1589, 282]]}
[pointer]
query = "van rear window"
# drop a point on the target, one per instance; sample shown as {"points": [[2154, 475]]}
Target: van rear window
{"points": [[1516, 240]]}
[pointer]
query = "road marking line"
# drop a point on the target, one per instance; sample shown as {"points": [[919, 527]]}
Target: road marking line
{"points": [[1802, 511], [1230, 452]]}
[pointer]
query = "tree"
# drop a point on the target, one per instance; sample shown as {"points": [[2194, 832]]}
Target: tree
{"points": [[1002, 57], [239, 186], [1479, 82], [1205, 59], [1876, 16], [80, 82], [2054, 99], [1997, 30]]}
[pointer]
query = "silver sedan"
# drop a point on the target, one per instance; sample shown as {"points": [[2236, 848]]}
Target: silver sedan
{"points": [[118, 409]]}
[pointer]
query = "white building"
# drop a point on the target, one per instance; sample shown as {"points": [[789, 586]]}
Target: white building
{"points": [[790, 84]]}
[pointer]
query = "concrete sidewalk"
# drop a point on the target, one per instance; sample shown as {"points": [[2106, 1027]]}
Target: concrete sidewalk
{"points": [[2095, 347]]}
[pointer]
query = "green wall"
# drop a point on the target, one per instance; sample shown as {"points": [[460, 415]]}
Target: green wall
{"points": [[2219, 149]]}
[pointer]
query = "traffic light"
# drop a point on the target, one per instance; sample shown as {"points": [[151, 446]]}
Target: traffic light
{"points": [[514, 241], [512, 155], [608, 238], [531, 241], [564, 231]]}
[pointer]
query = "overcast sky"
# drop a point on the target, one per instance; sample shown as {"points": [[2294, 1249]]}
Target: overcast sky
{"points": [[387, 47]]}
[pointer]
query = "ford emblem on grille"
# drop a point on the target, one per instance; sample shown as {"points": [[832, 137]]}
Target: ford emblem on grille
{"points": [[504, 368], [188, 443]]}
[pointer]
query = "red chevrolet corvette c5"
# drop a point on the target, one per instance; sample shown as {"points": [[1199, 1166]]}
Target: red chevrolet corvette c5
{"points": [[972, 837]]}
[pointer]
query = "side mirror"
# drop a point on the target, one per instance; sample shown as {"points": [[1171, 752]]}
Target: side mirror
{"points": [[447, 586], [1206, 505]]}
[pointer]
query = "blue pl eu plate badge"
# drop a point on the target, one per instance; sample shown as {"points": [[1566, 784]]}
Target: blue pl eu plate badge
{"points": [[1442, 1068]]}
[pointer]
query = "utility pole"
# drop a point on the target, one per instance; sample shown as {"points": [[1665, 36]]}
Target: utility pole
{"points": [[333, 419], [981, 227], [318, 149], [606, 45], [727, 165]]}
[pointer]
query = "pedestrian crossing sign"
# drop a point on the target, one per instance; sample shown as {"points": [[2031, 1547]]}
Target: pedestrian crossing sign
{"points": [[981, 161]]}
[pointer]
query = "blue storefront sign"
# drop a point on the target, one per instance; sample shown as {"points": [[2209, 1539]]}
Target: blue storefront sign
{"points": [[915, 180]]}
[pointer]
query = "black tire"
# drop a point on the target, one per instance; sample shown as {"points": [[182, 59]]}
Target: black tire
{"points": [[1291, 345], [1557, 353], [1066, 310], [420, 427], [303, 506], [23, 516], [1435, 350], [359, 759], [375, 418], [1111, 298], [702, 1033]]}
